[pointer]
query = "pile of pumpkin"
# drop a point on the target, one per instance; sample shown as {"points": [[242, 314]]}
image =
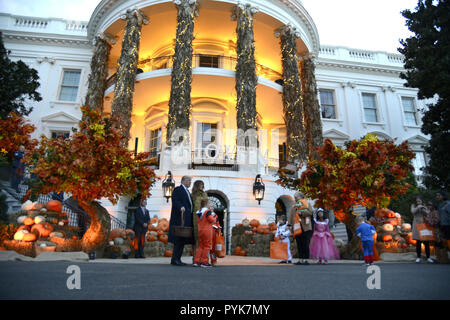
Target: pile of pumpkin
{"points": [[43, 227], [156, 241], [253, 237], [392, 234]]}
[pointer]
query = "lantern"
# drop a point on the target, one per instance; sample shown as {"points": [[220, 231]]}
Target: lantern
{"points": [[258, 188], [168, 185]]}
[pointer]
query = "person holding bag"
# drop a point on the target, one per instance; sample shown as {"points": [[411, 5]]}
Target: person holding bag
{"points": [[181, 219], [300, 218], [420, 211], [283, 233]]}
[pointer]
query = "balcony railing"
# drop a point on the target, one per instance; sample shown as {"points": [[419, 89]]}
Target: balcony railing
{"points": [[198, 61]]}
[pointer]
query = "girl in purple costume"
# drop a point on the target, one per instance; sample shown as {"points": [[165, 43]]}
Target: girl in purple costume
{"points": [[322, 244]]}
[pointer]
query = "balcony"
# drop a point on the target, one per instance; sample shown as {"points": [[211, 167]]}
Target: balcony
{"points": [[201, 61]]}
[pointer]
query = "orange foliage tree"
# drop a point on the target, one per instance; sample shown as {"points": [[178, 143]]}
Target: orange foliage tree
{"points": [[91, 165], [15, 132], [368, 172]]}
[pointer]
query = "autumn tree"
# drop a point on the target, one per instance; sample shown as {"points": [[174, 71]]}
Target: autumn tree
{"points": [[18, 83], [427, 67], [368, 172], [91, 165]]}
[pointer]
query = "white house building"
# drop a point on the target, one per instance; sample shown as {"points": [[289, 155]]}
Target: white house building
{"points": [[359, 92]]}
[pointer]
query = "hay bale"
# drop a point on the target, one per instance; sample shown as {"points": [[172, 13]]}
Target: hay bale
{"points": [[21, 247]]}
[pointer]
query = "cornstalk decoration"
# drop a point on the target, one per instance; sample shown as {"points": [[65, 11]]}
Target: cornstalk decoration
{"points": [[246, 79], [122, 105], [99, 72], [292, 100], [180, 90], [313, 122]]}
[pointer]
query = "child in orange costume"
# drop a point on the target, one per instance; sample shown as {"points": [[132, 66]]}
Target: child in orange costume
{"points": [[205, 219], [215, 232]]}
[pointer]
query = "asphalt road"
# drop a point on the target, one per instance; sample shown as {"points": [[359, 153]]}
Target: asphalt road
{"points": [[98, 281]]}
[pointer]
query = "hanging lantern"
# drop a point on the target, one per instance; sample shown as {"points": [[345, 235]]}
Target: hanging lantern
{"points": [[258, 188], [168, 185]]}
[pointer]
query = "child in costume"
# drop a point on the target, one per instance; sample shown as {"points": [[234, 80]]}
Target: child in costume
{"points": [[322, 245], [215, 232], [205, 220], [283, 232], [366, 231]]}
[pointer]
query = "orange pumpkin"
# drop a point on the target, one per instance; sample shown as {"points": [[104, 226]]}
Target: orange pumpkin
{"points": [[74, 237], [42, 229], [168, 253], [262, 229], [404, 245], [388, 227], [37, 206], [23, 227], [163, 224], [243, 253], [237, 250], [3, 249], [272, 226], [115, 233], [28, 221], [29, 237], [254, 223], [151, 238], [392, 221], [389, 214], [54, 205], [387, 237], [129, 234], [153, 220], [164, 238]]}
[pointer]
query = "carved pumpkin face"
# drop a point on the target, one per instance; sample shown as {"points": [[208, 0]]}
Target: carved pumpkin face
{"points": [[387, 237], [254, 223], [388, 227], [164, 238]]}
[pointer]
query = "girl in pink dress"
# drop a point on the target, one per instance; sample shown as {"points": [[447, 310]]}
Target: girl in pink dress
{"points": [[322, 245]]}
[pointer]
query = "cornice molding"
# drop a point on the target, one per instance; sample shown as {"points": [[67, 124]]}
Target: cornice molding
{"points": [[47, 39], [356, 67]]}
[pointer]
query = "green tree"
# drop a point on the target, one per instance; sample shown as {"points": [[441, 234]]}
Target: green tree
{"points": [[18, 82], [427, 64]]}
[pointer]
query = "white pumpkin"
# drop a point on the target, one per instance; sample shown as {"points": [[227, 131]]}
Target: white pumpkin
{"points": [[246, 222], [388, 227], [61, 223], [43, 210], [397, 215], [406, 227], [19, 234], [111, 243], [27, 205], [21, 219], [118, 241], [56, 234], [39, 219]]}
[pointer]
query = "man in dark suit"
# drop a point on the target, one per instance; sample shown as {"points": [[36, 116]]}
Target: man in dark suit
{"points": [[181, 204], [141, 220]]}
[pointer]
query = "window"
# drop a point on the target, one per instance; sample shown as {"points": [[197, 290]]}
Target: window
{"points": [[206, 134], [418, 163], [282, 154], [409, 109], [208, 61], [69, 85], [60, 134], [370, 107], [155, 143], [327, 104]]}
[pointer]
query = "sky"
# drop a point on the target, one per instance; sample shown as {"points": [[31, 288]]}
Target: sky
{"points": [[362, 24]]}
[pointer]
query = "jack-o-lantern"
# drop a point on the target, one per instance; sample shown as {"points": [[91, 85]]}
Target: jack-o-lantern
{"points": [[54, 205], [387, 237], [390, 214], [42, 230], [388, 227]]}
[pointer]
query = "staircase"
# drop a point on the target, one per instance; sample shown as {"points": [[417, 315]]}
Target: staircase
{"points": [[340, 232], [12, 198]]}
